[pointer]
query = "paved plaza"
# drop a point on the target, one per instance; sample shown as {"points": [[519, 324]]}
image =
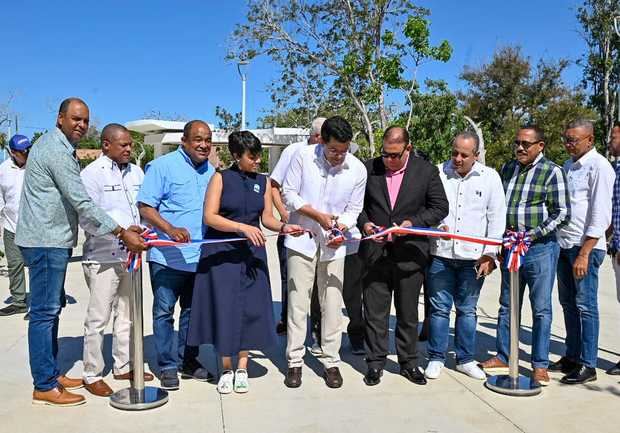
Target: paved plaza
{"points": [[453, 403]]}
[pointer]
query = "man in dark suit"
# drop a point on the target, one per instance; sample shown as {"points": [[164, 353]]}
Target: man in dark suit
{"points": [[405, 190]]}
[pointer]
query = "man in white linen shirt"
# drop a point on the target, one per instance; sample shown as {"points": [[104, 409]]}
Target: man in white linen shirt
{"points": [[323, 189], [457, 269], [113, 183], [582, 250], [277, 180], [11, 181]]}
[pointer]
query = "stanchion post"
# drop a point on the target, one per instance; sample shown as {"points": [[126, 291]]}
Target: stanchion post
{"points": [[137, 396], [514, 384]]}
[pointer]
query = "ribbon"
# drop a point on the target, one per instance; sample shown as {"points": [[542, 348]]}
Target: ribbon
{"points": [[517, 244], [433, 233]]}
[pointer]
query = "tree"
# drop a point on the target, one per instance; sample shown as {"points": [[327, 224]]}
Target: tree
{"points": [[356, 50], [601, 62], [509, 92]]}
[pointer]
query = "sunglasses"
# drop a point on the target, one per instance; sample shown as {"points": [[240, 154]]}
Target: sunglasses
{"points": [[393, 155], [524, 143]]}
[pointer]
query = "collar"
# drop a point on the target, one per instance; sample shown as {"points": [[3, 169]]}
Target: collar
{"points": [[585, 157], [319, 158], [189, 160], [476, 169], [390, 173], [108, 162], [527, 167]]}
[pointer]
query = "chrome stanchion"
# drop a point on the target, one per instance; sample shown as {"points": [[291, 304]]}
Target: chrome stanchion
{"points": [[513, 383], [138, 396]]}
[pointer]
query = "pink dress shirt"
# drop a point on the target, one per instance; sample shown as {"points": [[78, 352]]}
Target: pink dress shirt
{"points": [[394, 179]]}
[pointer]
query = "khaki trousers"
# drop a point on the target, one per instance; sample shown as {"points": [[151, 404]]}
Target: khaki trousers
{"points": [[329, 276], [110, 289]]}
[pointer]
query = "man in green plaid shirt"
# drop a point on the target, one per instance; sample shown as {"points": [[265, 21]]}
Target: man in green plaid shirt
{"points": [[538, 203]]}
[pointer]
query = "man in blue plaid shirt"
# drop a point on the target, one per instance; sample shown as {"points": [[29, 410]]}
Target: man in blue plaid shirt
{"points": [[537, 203], [614, 245]]}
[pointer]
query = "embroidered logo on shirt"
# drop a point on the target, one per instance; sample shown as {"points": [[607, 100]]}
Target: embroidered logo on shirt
{"points": [[256, 188]]}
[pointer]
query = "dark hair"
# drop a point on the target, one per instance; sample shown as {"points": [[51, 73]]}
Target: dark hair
{"points": [[468, 135], [111, 129], [338, 128], [187, 129], [241, 141], [540, 135], [396, 131], [64, 105]]}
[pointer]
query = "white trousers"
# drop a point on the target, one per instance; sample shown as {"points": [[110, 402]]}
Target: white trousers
{"points": [[329, 276], [110, 289]]}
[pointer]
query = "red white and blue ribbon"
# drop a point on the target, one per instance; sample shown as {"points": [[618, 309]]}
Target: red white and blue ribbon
{"points": [[517, 244], [433, 233]]}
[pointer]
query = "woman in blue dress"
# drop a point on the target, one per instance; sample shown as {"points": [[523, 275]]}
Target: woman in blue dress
{"points": [[231, 305]]}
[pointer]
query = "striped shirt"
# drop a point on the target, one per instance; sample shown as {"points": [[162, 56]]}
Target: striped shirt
{"points": [[614, 247], [536, 196]]}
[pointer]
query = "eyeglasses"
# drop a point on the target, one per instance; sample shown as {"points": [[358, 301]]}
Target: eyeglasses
{"points": [[524, 143], [335, 152], [393, 155], [573, 140]]}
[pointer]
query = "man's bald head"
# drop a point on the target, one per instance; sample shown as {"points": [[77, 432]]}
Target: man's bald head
{"points": [[65, 104], [116, 143], [111, 130], [187, 129], [73, 119], [315, 130], [396, 134]]}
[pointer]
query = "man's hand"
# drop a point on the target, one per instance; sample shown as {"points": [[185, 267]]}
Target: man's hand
{"points": [[580, 267], [132, 241], [325, 220], [336, 242], [485, 266], [136, 229], [370, 229], [444, 228], [179, 234]]}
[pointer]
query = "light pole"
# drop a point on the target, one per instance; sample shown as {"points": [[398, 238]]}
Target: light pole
{"points": [[243, 80]]}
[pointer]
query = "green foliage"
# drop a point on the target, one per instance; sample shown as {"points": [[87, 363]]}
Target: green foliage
{"points": [[90, 140], [37, 135], [509, 92]]}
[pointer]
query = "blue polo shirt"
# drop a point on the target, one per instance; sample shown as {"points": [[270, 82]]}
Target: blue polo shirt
{"points": [[176, 188]]}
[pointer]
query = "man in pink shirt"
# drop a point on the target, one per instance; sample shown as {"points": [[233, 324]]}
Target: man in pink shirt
{"points": [[405, 190]]}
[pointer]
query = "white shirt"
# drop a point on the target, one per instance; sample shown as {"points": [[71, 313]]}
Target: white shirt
{"points": [[590, 187], [115, 192], [311, 180], [477, 208], [11, 183], [284, 162]]}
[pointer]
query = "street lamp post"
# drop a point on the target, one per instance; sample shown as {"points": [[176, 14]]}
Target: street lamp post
{"points": [[243, 80]]}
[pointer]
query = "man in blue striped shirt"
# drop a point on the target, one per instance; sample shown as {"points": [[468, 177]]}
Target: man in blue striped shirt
{"points": [[614, 245]]}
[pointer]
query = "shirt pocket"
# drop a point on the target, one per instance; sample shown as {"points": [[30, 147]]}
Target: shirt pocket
{"points": [[183, 195]]}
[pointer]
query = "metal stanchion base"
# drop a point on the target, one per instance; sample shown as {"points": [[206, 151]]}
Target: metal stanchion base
{"points": [[132, 399], [522, 387]]}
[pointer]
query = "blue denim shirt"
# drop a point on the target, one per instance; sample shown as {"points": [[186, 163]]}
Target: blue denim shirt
{"points": [[54, 196], [176, 188]]}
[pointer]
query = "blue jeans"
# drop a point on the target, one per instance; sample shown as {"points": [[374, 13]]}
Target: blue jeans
{"points": [[579, 299], [47, 268], [537, 272], [451, 281], [169, 286]]}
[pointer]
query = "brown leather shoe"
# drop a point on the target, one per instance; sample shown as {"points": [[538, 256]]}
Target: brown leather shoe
{"points": [[332, 376], [540, 375], [293, 377], [129, 376], [99, 388], [494, 366], [69, 383], [57, 397]]}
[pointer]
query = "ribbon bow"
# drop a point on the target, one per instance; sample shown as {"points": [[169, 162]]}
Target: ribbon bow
{"points": [[517, 244]]}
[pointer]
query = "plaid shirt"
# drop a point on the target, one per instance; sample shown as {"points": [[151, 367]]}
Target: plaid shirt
{"points": [[536, 196], [614, 247]]}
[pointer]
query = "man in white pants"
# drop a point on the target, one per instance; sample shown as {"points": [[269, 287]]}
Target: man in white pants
{"points": [[113, 183], [614, 245]]}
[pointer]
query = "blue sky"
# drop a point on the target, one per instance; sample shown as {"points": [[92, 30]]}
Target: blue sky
{"points": [[126, 58]]}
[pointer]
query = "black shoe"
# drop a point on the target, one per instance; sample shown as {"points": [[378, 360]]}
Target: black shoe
{"points": [[357, 346], [13, 309], [413, 375], [563, 365], [579, 375], [281, 328], [169, 379], [194, 370], [293, 377], [615, 370], [373, 376]]}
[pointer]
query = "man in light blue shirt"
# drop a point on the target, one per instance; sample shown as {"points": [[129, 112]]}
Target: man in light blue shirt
{"points": [[171, 200]]}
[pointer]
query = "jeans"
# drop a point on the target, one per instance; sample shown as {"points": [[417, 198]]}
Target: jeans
{"points": [[451, 281], [579, 299], [537, 272], [47, 271], [169, 286]]}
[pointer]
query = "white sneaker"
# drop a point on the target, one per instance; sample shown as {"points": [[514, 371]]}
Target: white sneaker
{"points": [[316, 350], [241, 381], [472, 370], [433, 369], [225, 384]]}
